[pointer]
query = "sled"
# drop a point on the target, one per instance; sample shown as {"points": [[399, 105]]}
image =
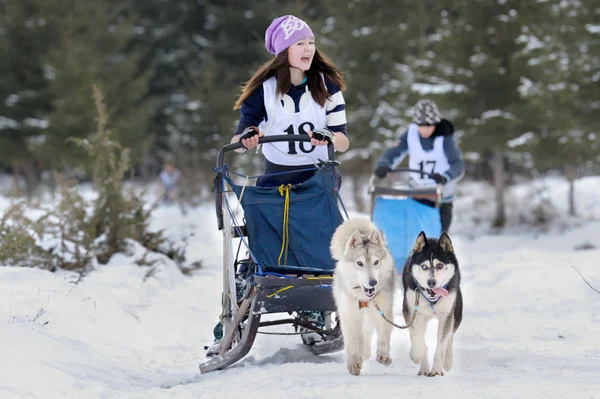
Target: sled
{"points": [[287, 266], [398, 214]]}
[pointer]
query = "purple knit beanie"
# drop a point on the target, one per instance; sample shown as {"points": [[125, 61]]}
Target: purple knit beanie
{"points": [[285, 31]]}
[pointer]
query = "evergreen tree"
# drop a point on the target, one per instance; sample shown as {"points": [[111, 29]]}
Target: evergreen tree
{"points": [[24, 80], [564, 47], [173, 40], [92, 46], [478, 41]]}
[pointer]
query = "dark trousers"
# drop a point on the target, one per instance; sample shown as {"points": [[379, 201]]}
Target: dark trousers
{"points": [[446, 215]]}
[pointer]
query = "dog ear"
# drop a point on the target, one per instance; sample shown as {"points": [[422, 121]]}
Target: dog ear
{"points": [[354, 240], [376, 238], [421, 242], [446, 243]]}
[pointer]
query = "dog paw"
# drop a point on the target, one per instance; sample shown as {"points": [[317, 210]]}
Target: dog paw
{"points": [[416, 353], [448, 363], [436, 371], [423, 371], [384, 359], [354, 365]]}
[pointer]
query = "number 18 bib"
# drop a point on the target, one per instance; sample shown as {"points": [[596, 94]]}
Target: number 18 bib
{"points": [[282, 119]]}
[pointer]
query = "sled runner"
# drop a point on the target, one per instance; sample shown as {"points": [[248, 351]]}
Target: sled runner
{"points": [[396, 211], [282, 262]]}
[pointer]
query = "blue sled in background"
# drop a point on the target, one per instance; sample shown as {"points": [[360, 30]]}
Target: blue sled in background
{"points": [[400, 217]]}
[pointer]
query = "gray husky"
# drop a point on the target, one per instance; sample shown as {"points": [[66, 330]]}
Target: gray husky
{"points": [[431, 271], [363, 279]]}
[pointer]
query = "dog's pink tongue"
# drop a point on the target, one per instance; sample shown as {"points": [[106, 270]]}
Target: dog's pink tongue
{"points": [[440, 291]]}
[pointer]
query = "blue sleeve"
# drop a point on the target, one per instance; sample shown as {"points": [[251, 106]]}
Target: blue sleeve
{"points": [[391, 155], [455, 159], [331, 87], [253, 110], [335, 109]]}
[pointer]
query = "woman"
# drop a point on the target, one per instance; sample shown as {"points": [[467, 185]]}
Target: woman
{"points": [[299, 91]]}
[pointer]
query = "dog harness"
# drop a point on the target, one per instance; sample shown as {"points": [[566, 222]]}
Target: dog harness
{"points": [[420, 289]]}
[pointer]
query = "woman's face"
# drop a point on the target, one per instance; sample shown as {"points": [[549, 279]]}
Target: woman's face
{"points": [[301, 53], [426, 130]]}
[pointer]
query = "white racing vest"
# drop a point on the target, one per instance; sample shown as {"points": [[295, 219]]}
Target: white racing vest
{"points": [[282, 119], [433, 161]]}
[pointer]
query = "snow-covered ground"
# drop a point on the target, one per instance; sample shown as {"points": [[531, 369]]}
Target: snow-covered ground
{"points": [[530, 326]]}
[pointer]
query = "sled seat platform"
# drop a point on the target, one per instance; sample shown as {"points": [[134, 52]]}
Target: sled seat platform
{"points": [[285, 294], [288, 288]]}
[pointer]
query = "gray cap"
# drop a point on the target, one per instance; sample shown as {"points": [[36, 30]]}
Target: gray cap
{"points": [[426, 112]]}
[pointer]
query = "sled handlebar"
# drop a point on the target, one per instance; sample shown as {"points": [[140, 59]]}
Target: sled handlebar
{"points": [[411, 170], [270, 139], [434, 193], [263, 140]]}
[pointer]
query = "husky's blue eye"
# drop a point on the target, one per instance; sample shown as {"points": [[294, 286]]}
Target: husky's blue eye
{"points": [[424, 266], [359, 263]]}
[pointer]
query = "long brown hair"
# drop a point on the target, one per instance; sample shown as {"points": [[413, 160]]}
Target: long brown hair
{"points": [[280, 68]]}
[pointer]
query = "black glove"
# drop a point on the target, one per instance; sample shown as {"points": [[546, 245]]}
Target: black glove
{"points": [[248, 132], [439, 179], [323, 134], [381, 171]]}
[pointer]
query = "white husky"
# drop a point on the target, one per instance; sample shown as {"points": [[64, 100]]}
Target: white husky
{"points": [[364, 276]]}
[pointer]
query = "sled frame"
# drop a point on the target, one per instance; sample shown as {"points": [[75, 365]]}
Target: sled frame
{"points": [[301, 289]]}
